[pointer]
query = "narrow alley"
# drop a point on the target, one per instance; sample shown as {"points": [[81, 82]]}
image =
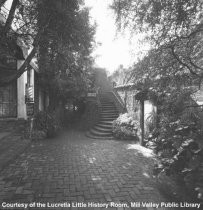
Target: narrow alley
{"points": [[74, 168]]}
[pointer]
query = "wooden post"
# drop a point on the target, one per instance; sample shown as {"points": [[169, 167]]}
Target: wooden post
{"points": [[142, 121]]}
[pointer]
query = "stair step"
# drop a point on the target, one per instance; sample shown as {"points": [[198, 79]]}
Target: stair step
{"points": [[98, 133], [108, 117], [109, 108], [109, 126], [103, 129], [106, 102], [89, 135], [108, 113], [109, 122]]}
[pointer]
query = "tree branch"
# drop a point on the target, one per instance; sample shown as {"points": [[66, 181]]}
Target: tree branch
{"points": [[20, 71], [193, 106], [10, 16], [2, 2], [183, 63]]}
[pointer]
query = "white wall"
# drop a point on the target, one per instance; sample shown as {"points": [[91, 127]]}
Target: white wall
{"points": [[21, 106]]}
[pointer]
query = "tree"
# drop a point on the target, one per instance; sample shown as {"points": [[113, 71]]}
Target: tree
{"points": [[176, 25], [60, 28], [167, 75], [65, 47], [61, 39]]}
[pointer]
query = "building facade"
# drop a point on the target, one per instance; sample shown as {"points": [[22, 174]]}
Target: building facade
{"points": [[22, 98]]}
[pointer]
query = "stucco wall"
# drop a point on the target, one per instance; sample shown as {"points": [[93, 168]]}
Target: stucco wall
{"points": [[21, 110], [128, 97]]}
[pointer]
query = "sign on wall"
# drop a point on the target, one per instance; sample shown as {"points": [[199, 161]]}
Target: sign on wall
{"points": [[29, 94]]}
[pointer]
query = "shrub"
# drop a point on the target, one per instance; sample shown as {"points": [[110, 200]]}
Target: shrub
{"points": [[46, 124], [178, 143], [150, 123], [38, 135], [126, 126]]}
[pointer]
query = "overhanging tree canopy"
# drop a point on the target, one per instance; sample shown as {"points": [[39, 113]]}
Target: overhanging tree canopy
{"points": [[59, 28], [176, 25]]}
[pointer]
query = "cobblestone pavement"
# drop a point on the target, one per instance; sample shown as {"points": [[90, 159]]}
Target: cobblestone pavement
{"points": [[75, 169], [11, 145]]}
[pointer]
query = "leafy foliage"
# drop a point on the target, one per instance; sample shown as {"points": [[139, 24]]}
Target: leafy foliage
{"points": [[60, 34], [64, 53], [175, 25], [168, 74], [178, 140], [166, 20], [47, 122], [91, 115], [126, 126]]}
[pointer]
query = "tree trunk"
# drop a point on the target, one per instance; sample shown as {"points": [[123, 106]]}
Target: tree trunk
{"points": [[8, 80]]}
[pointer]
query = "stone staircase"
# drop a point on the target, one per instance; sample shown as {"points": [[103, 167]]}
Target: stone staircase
{"points": [[108, 113]]}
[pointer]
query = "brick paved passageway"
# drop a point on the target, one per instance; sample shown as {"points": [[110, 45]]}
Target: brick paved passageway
{"points": [[73, 168]]}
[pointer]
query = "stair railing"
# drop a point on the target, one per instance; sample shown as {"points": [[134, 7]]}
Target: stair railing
{"points": [[118, 101]]}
